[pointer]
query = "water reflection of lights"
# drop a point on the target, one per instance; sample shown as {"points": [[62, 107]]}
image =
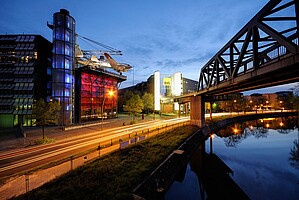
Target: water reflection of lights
{"points": [[267, 125]]}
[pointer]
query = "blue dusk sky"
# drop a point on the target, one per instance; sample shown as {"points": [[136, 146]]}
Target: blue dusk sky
{"points": [[166, 35]]}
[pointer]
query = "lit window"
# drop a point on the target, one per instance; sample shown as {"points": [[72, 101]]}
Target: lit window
{"points": [[67, 36], [67, 50], [31, 38], [67, 64]]}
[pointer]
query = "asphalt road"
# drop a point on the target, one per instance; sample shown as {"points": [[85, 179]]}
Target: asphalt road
{"points": [[72, 142]]}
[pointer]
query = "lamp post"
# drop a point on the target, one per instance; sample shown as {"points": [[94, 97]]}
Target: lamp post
{"points": [[281, 107], [111, 93], [234, 104]]}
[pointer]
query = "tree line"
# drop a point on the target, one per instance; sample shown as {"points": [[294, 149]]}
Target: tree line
{"points": [[134, 104]]}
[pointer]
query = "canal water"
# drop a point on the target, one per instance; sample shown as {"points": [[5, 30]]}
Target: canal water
{"points": [[262, 154]]}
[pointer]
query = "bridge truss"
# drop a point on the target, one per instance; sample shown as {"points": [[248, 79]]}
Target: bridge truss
{"points": [[263, 53]]}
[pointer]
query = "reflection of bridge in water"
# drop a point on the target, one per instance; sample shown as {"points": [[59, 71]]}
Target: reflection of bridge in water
{"points": [[263, 53], [214, 177]]}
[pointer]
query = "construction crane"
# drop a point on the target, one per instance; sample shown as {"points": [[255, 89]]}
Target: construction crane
{"points": [[99, 58]]}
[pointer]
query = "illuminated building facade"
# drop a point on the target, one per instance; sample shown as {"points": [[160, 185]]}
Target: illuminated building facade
{"points": [[31, 67], [164, 88], [63, 64], [96, 93], [25, 76]]}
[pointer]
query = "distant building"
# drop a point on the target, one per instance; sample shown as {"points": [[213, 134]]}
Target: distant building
{"points": [[164, 89], [25, 76]]}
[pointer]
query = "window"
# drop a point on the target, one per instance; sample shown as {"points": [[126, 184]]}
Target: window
{"points": [[59, 47], [67, 36], [67, 50], [67, 64], [59, 62], [31, 38], [26, 38], [59, 34]]}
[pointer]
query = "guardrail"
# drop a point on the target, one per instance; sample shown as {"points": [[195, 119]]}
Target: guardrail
{"points": [[133, 137]]}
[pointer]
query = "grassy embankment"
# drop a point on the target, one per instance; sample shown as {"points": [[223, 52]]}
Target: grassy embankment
{"points": [[116, 175]]}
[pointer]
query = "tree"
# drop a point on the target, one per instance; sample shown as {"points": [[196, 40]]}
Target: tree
{"points": [[134, 105], [148, 102], [295, 98], [285, 99], [45, 113], [241, 104], [257, 100], [294, 154], [123, 98], [215, 107]]}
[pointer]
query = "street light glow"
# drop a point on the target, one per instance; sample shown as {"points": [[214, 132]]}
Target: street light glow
{"points": [[111, 93], [235, 130]]}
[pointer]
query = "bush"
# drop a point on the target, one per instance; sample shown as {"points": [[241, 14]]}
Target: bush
{"points": [[133, 122], [45, 140]]}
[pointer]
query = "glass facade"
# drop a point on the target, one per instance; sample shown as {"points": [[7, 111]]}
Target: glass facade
{"points": [[92, 90], [24, 62], [63, 64]]}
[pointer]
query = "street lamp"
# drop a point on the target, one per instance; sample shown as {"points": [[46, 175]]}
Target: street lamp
{"points": [[280, 102], [234, 104], [267, 105], [111, 93]]}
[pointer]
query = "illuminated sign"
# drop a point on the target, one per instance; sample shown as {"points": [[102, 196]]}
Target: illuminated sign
{"points": [[166, 81]]}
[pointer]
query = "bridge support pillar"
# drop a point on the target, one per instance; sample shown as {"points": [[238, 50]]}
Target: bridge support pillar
{"points": [[197, 110]]}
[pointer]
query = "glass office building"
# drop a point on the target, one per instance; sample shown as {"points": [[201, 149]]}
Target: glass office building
{"points": [[25, 76]]}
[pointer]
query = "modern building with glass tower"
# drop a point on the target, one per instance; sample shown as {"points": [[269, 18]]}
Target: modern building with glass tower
{"points": [[63, 64], [31, 68]]}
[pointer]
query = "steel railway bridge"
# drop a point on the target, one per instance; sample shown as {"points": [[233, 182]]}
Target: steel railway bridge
{"points": [[264, 53]]}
